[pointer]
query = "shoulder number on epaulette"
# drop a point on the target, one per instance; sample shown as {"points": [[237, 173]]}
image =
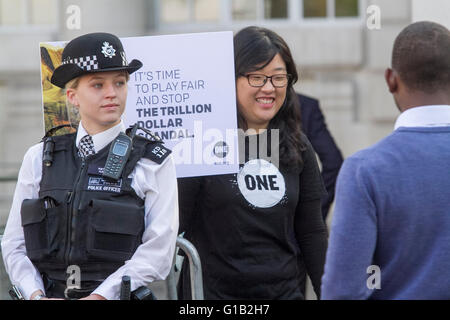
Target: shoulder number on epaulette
{"points": [[157, 152]]}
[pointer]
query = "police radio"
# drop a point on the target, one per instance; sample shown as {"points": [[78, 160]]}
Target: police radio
{"points": [[117, 157]]}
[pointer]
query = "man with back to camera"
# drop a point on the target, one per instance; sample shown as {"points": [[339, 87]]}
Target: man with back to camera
{"points": [[391, 223]]}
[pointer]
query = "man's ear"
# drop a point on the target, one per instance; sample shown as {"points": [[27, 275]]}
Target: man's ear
{"points": [[391, 78], [72, 97]]}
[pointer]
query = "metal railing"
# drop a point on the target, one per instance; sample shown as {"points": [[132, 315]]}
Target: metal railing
{"points": [[195, 270], [8, 178]]}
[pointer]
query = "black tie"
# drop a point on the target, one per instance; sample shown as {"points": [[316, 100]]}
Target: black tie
{"points": [[86, 146]]}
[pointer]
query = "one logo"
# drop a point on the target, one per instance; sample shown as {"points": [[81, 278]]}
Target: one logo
{"points": [[261, 183], [108, 50], [220, 149]]}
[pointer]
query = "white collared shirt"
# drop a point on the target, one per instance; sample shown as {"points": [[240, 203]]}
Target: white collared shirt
{"points": [[424, 116], [101, 139], [155, 183]]}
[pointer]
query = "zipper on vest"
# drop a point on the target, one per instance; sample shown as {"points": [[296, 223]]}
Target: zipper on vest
{"points": [[71, 222], [69, 197]]}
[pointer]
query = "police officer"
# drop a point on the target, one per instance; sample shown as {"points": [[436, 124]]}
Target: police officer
{"points": [[67, 217]]}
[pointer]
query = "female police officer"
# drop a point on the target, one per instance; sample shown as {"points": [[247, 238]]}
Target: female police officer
{"points": [[69, 215]]}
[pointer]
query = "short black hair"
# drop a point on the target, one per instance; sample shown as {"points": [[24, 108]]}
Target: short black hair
{"points": [[421, 56]]}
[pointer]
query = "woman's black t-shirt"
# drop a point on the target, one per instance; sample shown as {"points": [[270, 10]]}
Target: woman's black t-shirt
{"points": [[242, 226]]}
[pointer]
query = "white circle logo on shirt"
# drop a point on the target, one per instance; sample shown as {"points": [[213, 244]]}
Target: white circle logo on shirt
{"points": [[261, 183]]}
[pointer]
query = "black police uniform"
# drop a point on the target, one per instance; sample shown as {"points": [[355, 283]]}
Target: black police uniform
{"points": [[82, 219]]}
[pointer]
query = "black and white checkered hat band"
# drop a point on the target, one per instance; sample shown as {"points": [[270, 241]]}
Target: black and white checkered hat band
{"points": [[87, 63]]}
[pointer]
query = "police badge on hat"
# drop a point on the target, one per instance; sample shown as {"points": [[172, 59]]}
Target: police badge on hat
{"points": [[92, 52], [108, 50]]}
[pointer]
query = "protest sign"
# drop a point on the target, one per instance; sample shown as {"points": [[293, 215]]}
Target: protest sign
{"points": [[184, 94]]}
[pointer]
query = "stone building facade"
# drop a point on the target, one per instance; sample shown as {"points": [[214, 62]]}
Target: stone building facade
{"points": [[341, 47]]}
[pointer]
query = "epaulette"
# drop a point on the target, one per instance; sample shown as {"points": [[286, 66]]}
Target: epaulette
{"points": [[154, 146], [156, 152]]}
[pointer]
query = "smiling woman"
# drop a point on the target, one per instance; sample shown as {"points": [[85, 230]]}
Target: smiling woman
{"points": [[261, 51], [260, 101], [250, 228]]}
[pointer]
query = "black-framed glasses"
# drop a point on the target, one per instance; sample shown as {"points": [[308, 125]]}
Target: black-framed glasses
{"points": [[259, 80]]}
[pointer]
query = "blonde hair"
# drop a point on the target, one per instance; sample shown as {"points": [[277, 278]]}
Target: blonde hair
{"points": [[73, 84], [72, 111]]}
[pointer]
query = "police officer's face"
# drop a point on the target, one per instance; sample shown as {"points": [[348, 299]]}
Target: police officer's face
{"points": [[258, 105], [100, 98]]}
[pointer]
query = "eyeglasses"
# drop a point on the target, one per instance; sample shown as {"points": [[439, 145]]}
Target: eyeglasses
{"points": [[259, 80]]}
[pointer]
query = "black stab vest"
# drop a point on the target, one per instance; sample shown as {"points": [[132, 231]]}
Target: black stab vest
{"points": [[82, 219]]}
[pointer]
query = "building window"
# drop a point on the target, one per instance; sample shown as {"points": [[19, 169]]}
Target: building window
{"points": [[207, 10], [314, 8], [245, 10], [12, 13], [174, 11], [346, 8], [275, 9], [330, 8], [177, 13], [259, 9], [189, 11], [28, 12], [43, 12]]}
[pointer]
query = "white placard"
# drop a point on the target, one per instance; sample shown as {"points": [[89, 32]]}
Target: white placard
{"points": [[185, 94]]}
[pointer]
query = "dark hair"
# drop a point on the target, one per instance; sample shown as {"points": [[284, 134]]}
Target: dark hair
{"points": [[254, 48], [421, 56]]}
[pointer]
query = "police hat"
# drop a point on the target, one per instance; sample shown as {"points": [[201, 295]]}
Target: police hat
{"points": [[90, 53]]}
